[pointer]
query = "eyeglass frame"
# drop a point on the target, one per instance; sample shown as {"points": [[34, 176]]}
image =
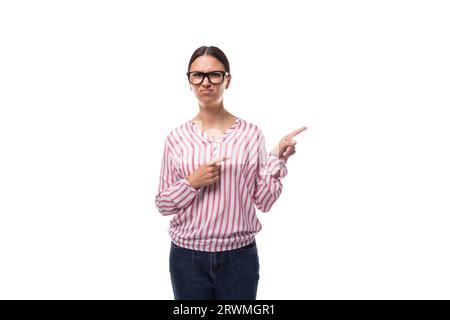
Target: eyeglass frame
{"points": [[224, 73]]}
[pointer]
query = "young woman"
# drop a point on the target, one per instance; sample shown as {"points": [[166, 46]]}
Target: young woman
{"points": [[214, 172]]}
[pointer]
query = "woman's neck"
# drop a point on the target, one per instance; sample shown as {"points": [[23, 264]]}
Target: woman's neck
{"points": [[212, 115]]}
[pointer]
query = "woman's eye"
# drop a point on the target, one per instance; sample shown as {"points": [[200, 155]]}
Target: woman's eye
{"points": [[215, 74], [197, 75]]}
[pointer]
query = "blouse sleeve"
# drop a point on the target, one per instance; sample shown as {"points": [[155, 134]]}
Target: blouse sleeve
{"points": [[173, 194], [268, 186]]}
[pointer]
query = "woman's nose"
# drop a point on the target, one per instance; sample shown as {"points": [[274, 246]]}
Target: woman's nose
{"points": [[206, 82]]}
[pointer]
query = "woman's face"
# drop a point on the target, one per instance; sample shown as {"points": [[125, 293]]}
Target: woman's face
{"points": [[207, 92]]}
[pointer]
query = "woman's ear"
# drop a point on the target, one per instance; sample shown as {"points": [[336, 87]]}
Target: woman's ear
{"points": [[228, 81]]}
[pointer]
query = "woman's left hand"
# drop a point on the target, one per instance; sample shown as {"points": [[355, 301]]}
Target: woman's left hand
{"points": [[286, 146]]}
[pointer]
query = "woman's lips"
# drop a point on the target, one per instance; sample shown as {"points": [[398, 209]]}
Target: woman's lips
{"points": [[206, 91]]}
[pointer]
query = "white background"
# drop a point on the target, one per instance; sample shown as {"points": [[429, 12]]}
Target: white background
{"points": [[89, 90]]}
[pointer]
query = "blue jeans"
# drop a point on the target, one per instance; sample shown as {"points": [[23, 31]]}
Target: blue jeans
{"points": [[231, 274]]}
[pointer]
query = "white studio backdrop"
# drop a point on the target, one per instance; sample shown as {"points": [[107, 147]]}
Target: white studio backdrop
{"points": [[90, 89]]}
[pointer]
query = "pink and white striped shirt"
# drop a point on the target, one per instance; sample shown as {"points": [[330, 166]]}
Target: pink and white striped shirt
{"points": [[220, 216]]}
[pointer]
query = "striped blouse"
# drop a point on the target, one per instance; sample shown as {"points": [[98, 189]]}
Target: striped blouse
{"points": [[220, 216]]}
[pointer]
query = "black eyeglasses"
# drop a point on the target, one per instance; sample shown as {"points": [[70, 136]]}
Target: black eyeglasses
{"points": [[215, 77]]}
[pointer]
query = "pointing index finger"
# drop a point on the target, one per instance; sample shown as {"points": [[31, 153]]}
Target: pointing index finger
{"points": [[218, 160], [295, 132]]}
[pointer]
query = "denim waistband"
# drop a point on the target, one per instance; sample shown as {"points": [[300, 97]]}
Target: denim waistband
{"points": [[251, 245]]}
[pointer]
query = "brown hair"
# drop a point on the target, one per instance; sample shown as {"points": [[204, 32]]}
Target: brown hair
{"points": [[211, 51]]}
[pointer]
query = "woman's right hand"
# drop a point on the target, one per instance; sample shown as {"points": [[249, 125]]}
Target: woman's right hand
{"points": [[206, 174]]}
